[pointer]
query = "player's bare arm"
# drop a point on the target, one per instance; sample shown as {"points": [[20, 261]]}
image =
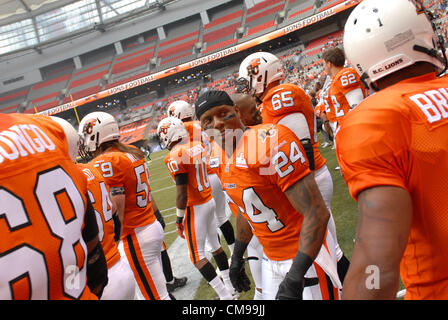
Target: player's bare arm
{"points": [[384, 222], [181, 204], [237, 273], [119, 201], [306, 198], [181, 196]]}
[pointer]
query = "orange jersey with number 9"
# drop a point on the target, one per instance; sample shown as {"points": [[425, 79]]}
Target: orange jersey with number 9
{"points": [[257, 186], [286, 99], [123, 171], [42, 209], [99, 194], [191, 159]]}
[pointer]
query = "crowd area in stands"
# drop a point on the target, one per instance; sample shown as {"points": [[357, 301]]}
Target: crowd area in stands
{"points": [[302, 69]]}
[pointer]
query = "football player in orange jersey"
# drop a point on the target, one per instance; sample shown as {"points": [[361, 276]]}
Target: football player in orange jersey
{"points": [[346, 89], [278, 199], [288, 104], [392, 150], [49, 247], [187, 161], [121, 285], [125, 171], [320, 112], [184, 111], [250, 116]]}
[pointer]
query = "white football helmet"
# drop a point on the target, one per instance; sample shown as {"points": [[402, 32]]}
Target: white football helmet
{"points": [[383, 36], [180, 109], [97, 128], [73, 138], [169, 130], [260, 69]]}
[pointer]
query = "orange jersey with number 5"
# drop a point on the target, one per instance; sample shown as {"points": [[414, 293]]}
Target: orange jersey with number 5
{"points": [[100, 197], [256, 185], [286, 99], [123, 171], [191, 159], [42, 208]]}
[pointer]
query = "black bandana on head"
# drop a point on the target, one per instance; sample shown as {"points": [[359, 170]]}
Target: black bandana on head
{"points": [[211, 99]]}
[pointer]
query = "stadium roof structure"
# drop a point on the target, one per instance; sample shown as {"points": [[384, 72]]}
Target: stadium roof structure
{"points": [[28, 24]]}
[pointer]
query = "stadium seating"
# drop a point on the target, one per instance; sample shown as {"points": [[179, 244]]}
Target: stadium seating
{"points": [[178, 46]]}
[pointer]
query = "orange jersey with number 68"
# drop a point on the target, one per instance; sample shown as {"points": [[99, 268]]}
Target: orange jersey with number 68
{"points": [[42, 207], [124, 172]]}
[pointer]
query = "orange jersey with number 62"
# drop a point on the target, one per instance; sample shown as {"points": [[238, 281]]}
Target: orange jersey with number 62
{"points": [[345, 81]]}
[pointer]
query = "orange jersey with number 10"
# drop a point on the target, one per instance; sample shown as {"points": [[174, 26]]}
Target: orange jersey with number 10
{"points": [[286, 99], [191, 159], [100, 197], [42, 208], [124, 171]]}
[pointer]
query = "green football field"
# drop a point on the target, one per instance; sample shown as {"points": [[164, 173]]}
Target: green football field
{"points": [[344, 210]]}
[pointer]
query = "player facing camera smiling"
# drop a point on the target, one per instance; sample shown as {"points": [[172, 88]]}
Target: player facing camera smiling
{"points": [[284, 209]]}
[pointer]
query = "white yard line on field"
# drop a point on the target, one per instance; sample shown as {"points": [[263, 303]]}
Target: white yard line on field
{"points": [[166, 188]]}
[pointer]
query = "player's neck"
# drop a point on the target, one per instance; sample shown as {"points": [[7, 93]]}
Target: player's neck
{"points": [[334, 71], [413, 71], [268, 88], [229, 147]]}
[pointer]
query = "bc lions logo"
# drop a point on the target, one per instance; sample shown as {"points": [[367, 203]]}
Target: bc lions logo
{"points": [[164, 128], [254, 67], [171, 111], [88, 126], [267, 132]]}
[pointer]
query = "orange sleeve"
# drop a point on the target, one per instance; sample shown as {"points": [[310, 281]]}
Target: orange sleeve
{"points": [[371, 150], [348, 81], [175, 162], [288, 162], [113, 167]]}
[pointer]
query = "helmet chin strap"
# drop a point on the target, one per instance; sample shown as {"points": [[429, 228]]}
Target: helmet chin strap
{"points": [[372, 86], [439, 45]]}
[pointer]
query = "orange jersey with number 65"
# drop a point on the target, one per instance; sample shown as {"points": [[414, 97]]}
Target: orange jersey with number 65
{"points": [[124, 172], [287, 99], [100, 197], [191, 159], [256, 185]]}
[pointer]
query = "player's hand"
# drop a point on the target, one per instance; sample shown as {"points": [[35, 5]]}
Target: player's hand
{"points": [[180, 227], [238, 277], [291, 288]]}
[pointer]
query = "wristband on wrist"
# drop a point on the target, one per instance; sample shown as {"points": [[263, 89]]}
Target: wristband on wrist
{"points": [[180, 212]]}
